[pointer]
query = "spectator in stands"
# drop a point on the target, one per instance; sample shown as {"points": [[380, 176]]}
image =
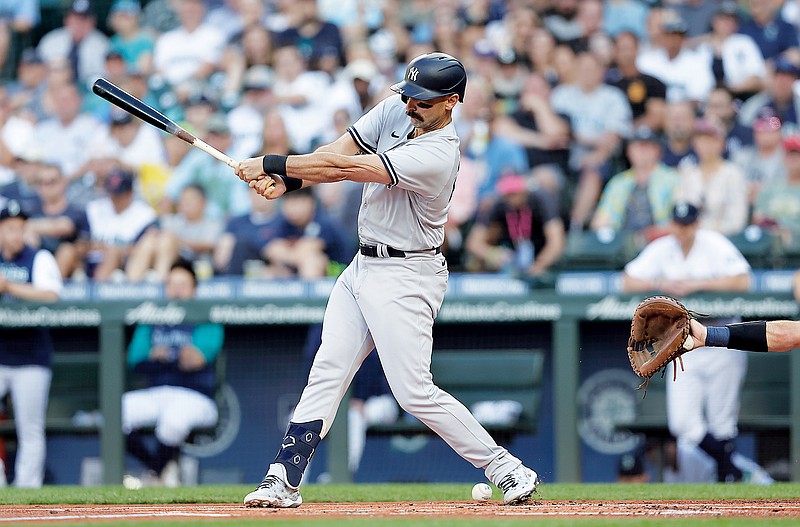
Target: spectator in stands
{"points": [[300, 95], [487, 140], [178, 365], [226, 194], [26, 90], [790, 11], [679, 118], [188, 234], [115, 69], [541, 53], [198, 108], [70, 135], [16, 136], [79, 42], [735, 59], [246, 120], [779, 97], [56, 224], [522, 234], [160, 16], [593, 38], [115, 223], [639, 200], [26, 274], [355, 88], [135, 142], [520, 22], [722, 108], [314, 37], [153, 179], [232, 16], [307, 240], [778, 204], [646, 94], [23, 187], [245, 238], [600, 116], [274, 136], [685, 72], [560, 20], [17, 20], [774, 36], [565, 63], [190, 53], [509, 79], [654, 27], [716, 186], [542, 132], [703, 402], [762, 162], [252, 48], [129, 40]]}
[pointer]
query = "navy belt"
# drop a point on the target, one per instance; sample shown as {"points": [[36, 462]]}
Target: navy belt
{"points": [[384, 251]]}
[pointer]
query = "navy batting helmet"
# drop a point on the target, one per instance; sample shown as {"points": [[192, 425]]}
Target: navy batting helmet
{"points": [[433, 75]]}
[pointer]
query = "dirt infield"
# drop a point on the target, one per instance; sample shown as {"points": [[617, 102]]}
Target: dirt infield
{"points": [[49, 514]]}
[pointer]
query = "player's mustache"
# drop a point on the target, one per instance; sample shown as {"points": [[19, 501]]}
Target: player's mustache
{"points": [[413, 115]]}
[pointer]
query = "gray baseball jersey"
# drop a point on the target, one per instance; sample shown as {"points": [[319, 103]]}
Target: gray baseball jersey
{"points": [[390, 303], [410, 213]]}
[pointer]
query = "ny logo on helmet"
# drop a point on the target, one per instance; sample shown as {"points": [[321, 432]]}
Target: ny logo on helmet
{"points": [[412, 74]]}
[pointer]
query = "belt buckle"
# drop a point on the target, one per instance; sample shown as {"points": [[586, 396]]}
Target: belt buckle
{"points": [[382, 250]]}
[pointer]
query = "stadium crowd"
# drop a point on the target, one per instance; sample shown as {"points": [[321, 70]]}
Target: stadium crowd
{"points": [[580, 117]]}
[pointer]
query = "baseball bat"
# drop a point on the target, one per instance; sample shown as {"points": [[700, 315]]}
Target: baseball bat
{"points": [[122, 99]]}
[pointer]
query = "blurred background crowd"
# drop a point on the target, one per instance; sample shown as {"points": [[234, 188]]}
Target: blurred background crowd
{"points": [[581, 119]]}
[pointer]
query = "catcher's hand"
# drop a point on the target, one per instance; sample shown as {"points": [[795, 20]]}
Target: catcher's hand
{"points": [[661, 331]]}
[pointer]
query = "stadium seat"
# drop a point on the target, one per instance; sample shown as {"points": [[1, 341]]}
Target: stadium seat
{"points": [[788, 255], [595, 250], [760, 247], [485, 375]]}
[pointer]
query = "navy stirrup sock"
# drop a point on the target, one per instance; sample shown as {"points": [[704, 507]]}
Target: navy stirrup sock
{"points": [[297, 449]]}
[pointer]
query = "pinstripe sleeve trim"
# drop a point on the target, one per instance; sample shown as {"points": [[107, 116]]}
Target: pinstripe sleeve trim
{"points": [[359, 141], [390, 169]]}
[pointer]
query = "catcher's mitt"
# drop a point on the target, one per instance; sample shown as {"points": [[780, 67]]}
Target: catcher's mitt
{"points": [[659, 330]]}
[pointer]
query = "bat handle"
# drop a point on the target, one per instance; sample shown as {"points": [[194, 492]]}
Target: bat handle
{"points": [[202, 145]]}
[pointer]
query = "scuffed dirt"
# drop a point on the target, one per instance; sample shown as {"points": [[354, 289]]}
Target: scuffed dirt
{"points": [[65, 514]]}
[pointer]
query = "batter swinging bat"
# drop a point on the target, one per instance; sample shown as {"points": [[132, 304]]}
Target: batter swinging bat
{"points": [[122, 99]]}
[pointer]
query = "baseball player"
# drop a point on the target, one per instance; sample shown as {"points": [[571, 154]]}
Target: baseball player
{"points": [[703, 403], [178, 364], [390, 294], [33, 275]]}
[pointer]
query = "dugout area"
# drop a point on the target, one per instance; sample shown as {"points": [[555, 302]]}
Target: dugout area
{"points": [[580, 393]]}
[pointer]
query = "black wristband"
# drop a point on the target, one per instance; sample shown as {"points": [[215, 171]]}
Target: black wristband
{"points": [[274, 164], [292, 183], [748, 336]]}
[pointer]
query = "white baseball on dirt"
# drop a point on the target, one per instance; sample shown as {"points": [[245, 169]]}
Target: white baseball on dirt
{"points": [[481, 492]]}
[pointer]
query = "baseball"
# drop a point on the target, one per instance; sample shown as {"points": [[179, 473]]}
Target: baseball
{"points": [[481, 492]]}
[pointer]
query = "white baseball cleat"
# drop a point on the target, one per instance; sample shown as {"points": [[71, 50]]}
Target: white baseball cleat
{"points": [[518, 485], [273, 491]]}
